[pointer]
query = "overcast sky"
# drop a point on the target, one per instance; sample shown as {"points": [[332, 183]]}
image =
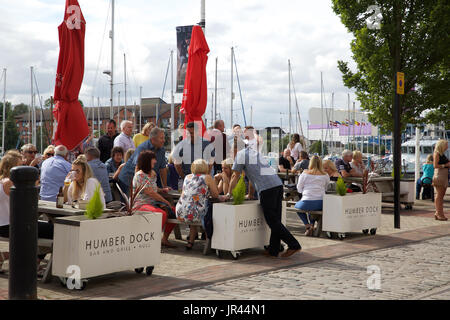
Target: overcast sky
{"points": [[265, 35]]}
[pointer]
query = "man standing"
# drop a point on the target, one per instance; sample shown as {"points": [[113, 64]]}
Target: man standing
{"points": [[106, 142], [53, 172], [100, 171], [221, 145], [270, 190], [124, 139], [155, 144], [254, 141], [190, 149]]}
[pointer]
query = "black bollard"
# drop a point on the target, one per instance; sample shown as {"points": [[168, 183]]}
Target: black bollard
{"points": [[23, 234]]}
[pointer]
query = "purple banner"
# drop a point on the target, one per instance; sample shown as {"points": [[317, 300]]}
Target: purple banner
{"points": [[344, 130], [356, 130]]}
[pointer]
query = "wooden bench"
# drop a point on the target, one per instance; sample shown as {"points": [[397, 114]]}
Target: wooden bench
{"points": [[288, 206], [177, 232], [46, 246]]}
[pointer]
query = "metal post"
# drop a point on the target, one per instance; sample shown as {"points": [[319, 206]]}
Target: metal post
{"points": [[202, 15], [397, 161], [353, 126], [23, 234]]}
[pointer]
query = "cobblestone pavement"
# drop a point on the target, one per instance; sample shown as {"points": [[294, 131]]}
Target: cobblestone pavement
{"points": [[415, 271], [180, 269]]}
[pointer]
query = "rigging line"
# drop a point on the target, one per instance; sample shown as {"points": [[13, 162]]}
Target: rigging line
{"points": [[127, 51], [42, 111], [101, 50], [239, 85]]}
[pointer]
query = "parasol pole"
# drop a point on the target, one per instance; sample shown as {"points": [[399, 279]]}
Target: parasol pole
{"points": [[231, 107], [202, 15]]}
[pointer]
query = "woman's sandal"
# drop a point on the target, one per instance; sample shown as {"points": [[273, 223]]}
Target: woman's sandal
{"points": [[190, 245]]}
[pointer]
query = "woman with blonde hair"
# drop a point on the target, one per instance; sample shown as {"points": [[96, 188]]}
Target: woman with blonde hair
{"points": [[193, 203], [83, 183], [10, 160], [440, 178], [330, 168], [312, 184], [223, 179], [357, 164], [144, 134]]}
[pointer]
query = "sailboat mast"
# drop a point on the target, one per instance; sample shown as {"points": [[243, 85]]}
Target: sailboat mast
{"points": [[321, 109], [111, 35], [125, 82], [231, 106], [215, 94], [140, 109], [98, 113], [4, 111], [290, 118], [172, 102]]}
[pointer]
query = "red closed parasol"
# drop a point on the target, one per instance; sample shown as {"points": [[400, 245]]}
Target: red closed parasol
{"points": [[72, 126], [195, 94]]}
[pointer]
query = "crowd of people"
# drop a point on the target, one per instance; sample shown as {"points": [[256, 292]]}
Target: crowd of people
{"points": [[203, 167]]}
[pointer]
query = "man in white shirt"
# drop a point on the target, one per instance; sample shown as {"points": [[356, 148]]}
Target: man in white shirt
{"points": [[124, 139], [253, 140]]}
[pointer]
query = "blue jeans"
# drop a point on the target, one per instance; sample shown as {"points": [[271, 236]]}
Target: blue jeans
{"points": [[308, 205]]}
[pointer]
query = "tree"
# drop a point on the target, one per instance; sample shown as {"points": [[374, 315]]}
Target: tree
{"points": [[316, 147], [11, 132], [413, 37]]}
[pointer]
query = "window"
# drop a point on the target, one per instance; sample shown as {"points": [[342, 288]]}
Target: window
{"points": [[412, 150], [404, 150], [428, 150]]}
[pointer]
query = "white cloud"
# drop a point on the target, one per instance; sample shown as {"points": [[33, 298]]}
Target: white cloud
{"points": [[265, 35]]}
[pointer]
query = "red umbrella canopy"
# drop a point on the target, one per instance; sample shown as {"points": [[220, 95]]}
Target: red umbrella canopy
{"points": [[72, 126], [195, 94]]}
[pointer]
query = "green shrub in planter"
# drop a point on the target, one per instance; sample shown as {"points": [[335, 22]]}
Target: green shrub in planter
{"points": [[341, 188], [239, 192], [94, 208]]}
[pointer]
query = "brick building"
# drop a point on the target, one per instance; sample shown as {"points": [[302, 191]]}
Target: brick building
{"points": [[149, 110]]}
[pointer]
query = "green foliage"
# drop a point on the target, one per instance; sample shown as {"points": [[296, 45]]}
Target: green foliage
{"points": [[393, 174], [239, 192], [413, 38], [94, 208], [341, 188], [316, 147]]}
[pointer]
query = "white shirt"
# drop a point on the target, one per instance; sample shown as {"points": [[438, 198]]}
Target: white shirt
{"points": [[312, 187], [91, 184], [124, 141], [295, 151], [4, 206]]}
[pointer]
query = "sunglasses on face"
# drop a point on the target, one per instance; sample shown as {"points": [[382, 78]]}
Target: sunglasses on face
{"points": [[31, 152], [50, 154]]}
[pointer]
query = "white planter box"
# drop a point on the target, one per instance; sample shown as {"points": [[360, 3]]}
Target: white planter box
{"points": [[410, 188], [104, 246], [240, 227], [353, 212]]}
